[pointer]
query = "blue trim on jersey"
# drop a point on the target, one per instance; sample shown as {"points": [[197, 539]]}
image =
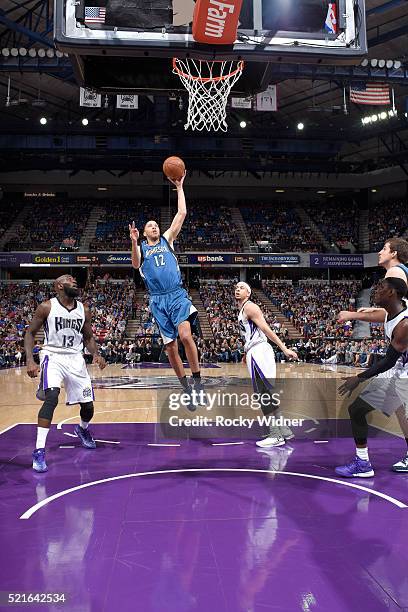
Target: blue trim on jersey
{"points": [[404, 268]]}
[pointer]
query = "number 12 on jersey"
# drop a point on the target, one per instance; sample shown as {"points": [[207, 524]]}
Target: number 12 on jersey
{"points": [[159, 259]]}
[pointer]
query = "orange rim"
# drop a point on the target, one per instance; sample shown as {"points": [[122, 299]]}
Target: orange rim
{"points": [[190, 77]]}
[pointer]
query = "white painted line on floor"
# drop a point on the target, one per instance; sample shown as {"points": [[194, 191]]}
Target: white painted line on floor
{"points": [[105, 441], [33, 509], [61, 423], [226, 443], [320, 441], [8, 428], [163, 444], [67, 446]]}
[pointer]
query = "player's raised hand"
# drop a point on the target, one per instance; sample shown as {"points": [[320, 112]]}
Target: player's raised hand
{"points": [[178, 182], [100, 361], [350, 383], [32, 369], [133, 232], [291, 354]]}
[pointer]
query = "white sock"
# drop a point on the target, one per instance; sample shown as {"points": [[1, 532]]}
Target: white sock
{"points": [[362, 453], [83, 424], [42, 433]]}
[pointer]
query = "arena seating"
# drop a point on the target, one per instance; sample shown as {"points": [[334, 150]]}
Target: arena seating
{"points": [[337, 220], [387, 220], [208, 227], [47, 224], [280, 226], [312, 308], [112, 231]]}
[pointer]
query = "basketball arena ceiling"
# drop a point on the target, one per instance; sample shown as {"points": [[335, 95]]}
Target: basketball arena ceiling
{"points": [[318, 104]]}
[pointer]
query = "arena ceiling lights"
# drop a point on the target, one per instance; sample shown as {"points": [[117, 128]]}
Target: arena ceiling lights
{"points": [[379, 117]]}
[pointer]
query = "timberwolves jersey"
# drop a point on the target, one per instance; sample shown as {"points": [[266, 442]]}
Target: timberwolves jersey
{"points": [[250, 333], [159, 268], [389, 327], [63, 328], [404, 268]]}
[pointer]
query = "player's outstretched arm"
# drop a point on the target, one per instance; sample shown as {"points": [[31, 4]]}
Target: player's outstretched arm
{"points": [[134, 236], [40, 315], [254, 313], [371, 315], [398, 346], [177, 223], [89, 340]]}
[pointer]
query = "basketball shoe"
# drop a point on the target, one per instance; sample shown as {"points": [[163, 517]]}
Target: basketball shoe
{"points": [[286, 432], [401, 466], [275, 438], [85, 436], [200, 394], [357, 468], [39, 464]]}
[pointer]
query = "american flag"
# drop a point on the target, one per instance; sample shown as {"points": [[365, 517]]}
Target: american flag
{"points": [[370, 93], [95, 14]]}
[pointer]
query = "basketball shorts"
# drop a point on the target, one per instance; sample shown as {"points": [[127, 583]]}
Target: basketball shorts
{"points": [[171, 309], [261, 365], [56, 369], [387, 391]]}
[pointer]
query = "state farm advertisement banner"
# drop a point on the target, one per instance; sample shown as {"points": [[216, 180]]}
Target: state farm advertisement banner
{"points": [[216, 22]]}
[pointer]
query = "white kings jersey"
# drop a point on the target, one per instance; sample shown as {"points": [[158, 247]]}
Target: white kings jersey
{"points": [[63, 328], [250, 333], [389, 327]]}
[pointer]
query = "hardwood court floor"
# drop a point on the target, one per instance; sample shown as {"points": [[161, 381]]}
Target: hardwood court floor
{"points": [[130, 394]]}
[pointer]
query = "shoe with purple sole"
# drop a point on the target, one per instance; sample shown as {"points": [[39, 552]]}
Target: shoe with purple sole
{"points": [[85, 436], [357, 468], [39, 464]]}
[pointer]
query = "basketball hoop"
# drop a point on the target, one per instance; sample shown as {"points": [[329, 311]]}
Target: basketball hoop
{"points": [[209, 84]]}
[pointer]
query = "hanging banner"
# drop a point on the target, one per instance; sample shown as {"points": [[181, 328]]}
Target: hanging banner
{"points": [[267, 100], [335, 260], [241, 102], [127, 101], [89, 97]]}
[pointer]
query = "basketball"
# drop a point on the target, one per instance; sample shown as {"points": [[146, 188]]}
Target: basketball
{"points": [[174, 168]]}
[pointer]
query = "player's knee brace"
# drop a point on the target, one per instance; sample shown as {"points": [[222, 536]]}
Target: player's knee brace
{"points": [[87, 411], [358, 411], [50, 403]]}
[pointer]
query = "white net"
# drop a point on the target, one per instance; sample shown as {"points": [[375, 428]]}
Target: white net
{"points": [[209, 84]]}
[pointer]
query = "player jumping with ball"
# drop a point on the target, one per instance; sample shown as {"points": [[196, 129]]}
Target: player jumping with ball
{"points": [[169, 303]]}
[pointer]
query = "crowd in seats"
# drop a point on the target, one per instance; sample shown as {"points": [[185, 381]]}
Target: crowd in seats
{"points": [[111, 305], [48, 223], [387, 220], [17, 305], [9, 210], [338, 221], [112, 230], [313, 308], [208, 226], [280, 226], [358, 353]]}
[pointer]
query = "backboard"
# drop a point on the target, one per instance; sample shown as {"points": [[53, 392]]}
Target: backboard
{"points": [[127, 47]]}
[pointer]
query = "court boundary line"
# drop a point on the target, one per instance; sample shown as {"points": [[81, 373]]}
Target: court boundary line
{"points": [[33, 509], [11, 427]]}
